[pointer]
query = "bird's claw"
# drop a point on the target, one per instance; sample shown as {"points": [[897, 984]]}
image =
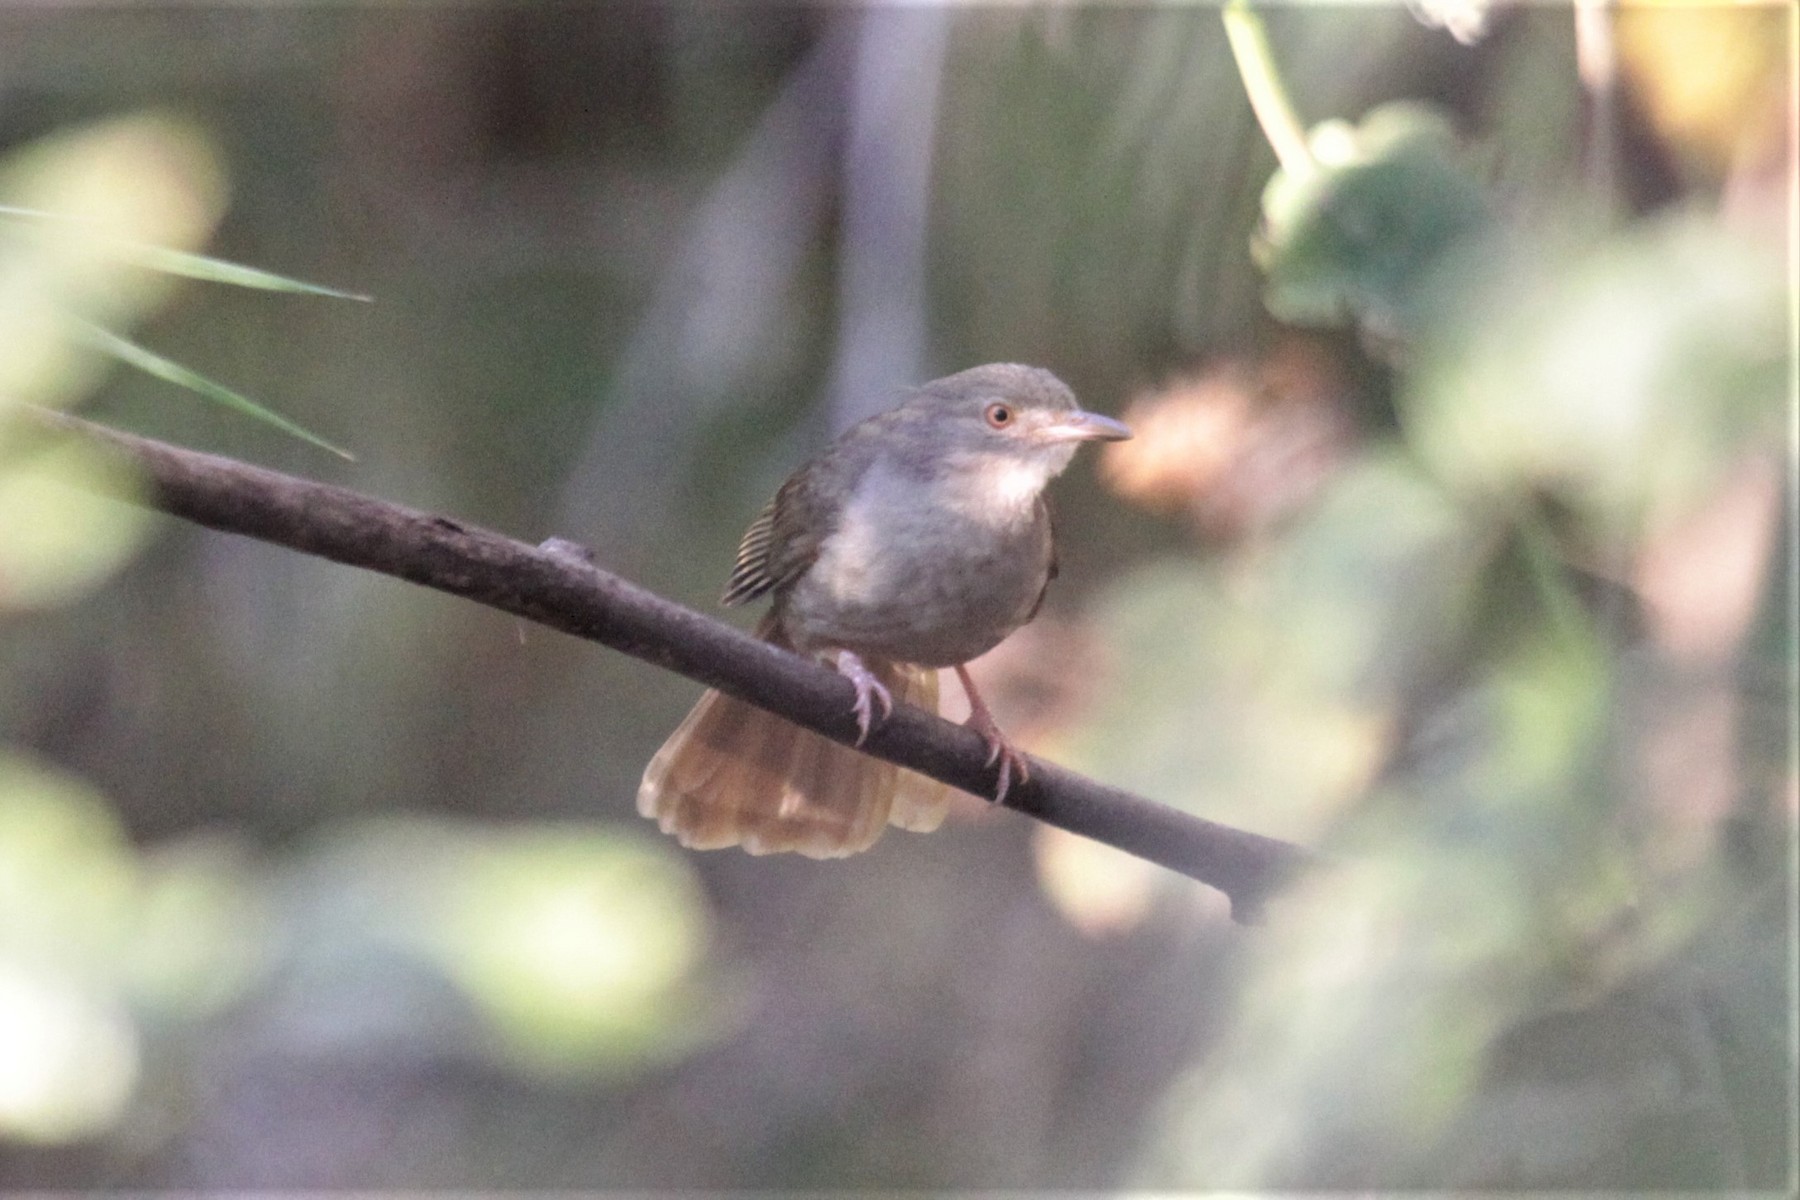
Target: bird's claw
{"points": [[868, 690], [1012, 763]]}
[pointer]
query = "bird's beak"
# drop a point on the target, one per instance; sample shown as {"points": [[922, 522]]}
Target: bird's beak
{"points": [[1081, 426]]}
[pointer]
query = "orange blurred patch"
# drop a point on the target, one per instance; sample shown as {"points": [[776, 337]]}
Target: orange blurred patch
{"points": [[1097, 889], [1235, 448], [1712, 77], [1701, 578]]}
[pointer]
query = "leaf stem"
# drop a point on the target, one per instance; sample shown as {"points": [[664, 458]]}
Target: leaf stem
{"points": [[1262, 84]]}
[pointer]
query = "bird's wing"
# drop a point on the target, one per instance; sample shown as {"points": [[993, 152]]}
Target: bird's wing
{"points": [[750, 571], [1047, 522], [783, 541]]}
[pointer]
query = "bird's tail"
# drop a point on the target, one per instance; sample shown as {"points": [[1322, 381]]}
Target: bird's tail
{"points": [[734, 775]]}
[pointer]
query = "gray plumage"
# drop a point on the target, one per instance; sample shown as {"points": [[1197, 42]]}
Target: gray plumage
{"points": [[919, 539]]}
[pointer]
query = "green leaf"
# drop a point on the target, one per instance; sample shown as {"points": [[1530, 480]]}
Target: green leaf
{"points": [[198, 266], [1366, 232], [151, 363], [217, 270]]}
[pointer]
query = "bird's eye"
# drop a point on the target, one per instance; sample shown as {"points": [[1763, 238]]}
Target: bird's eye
{"points": [[999, 416]]}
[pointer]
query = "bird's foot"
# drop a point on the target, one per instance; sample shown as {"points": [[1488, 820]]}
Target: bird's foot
{"points": [[1013, 764], [868, 690]]}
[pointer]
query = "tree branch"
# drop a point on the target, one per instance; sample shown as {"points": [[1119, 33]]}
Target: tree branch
{"points": [[559, 590]]}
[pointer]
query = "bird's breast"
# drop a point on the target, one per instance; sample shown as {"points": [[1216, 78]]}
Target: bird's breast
{"points": [[921, 572]]}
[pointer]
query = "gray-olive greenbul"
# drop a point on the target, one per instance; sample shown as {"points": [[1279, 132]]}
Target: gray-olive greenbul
{"points": [[918, 540]]}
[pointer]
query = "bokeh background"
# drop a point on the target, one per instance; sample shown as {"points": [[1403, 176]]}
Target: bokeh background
{"points": [[1456, 541]]}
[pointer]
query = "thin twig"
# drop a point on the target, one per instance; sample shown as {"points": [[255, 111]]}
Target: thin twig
{"points": [[561, 591]]}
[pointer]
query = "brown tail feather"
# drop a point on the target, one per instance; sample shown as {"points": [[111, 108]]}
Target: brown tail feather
{"points": [[920, 802], [734, 775]]}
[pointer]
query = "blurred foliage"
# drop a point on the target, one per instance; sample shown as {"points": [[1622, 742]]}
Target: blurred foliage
{"points": [[65, 881], [1624, 376], [1508, 858], [60, 532], [142, 179], [70, 884], [1480, 583], [575, 947], [1362, 233], [579, 946], [80, 231]]}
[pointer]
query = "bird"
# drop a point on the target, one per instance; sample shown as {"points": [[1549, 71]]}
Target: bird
{"points": [[917, 541]]}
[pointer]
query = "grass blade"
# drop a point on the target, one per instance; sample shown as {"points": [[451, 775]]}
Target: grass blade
{"points": [[217, 270], [170, 371], [196, 266]]}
